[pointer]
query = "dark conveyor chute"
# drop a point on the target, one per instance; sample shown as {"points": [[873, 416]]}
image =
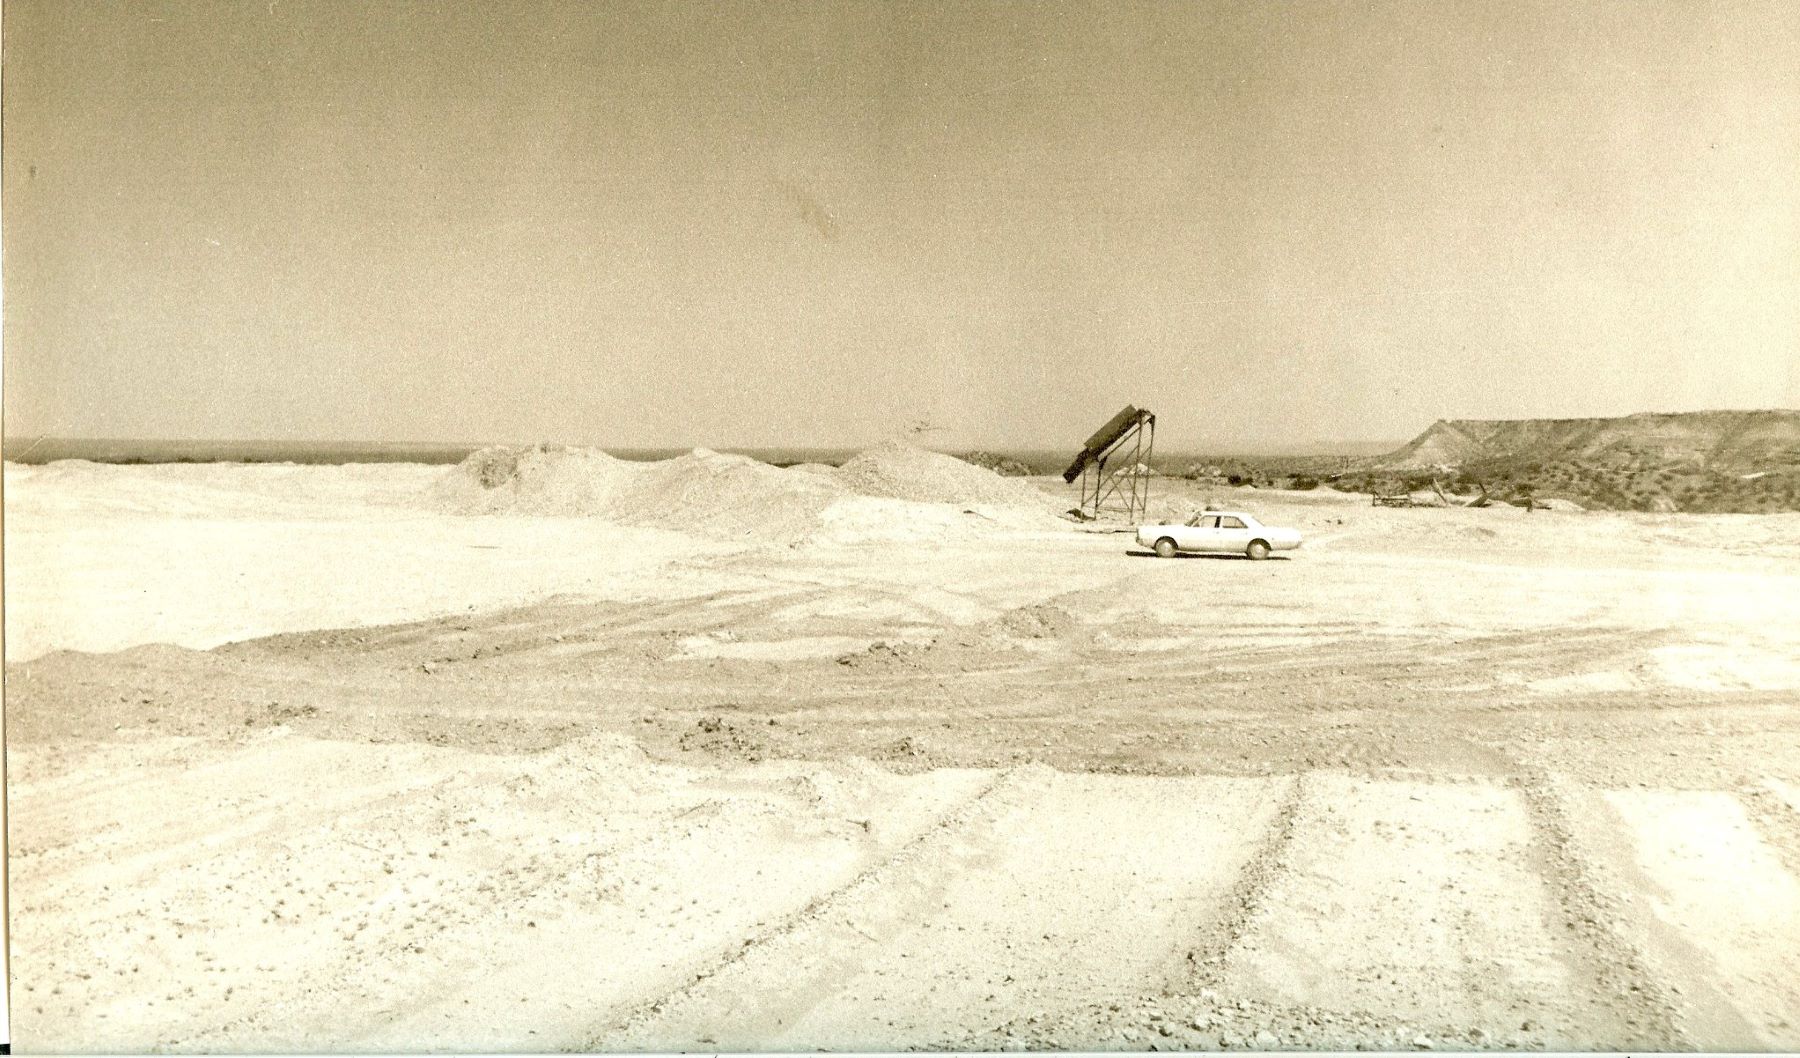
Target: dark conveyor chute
{"points": [[1125, 489]]}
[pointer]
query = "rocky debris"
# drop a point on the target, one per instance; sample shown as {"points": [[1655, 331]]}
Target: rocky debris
{"points": [[999, 464], [884, 653], [906, 748], [719, 737], [1204, 1021], [1041, 621], [276, 713]]}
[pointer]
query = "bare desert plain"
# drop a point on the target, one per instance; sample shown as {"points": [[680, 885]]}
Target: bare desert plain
{"points": [[546, 753]]}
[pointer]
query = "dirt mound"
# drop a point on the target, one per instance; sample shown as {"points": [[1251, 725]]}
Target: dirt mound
{"points": [[892, 492], [1039, 621], [900, 471], [723, 496], [882, 653], [541, 479]]}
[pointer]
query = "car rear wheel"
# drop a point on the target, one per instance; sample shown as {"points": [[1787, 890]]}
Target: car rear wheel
{"points": [[1258, 550], [1165, 548]]}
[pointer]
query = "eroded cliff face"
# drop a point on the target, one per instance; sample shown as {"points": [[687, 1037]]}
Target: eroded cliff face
{"points": [[1745, 441], [1715, 461]]}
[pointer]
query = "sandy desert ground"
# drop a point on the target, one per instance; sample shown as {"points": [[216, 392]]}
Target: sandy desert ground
{"points": [[298, 762]]}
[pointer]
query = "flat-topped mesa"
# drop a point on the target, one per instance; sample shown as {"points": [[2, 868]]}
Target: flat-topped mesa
{"points": [[1741, 441]]}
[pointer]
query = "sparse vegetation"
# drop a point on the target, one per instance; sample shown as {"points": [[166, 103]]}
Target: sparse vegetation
{"points": [[1004, 466], [1703, 462]]}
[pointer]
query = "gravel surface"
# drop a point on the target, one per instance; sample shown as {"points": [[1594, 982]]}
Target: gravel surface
{"points": [[1440, 780]]}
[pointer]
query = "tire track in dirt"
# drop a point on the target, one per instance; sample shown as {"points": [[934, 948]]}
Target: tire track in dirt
{"points": [[608, 628], [555, 628], [557, 891], [1199, 969], [631, 1021], [1619, 975], [1717, 908], [1777, 822], [1249, 894], [1052, 889], [1391, 908], [1355, 667], [219, 825]]}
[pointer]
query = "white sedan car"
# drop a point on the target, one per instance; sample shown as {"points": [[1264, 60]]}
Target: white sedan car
{"points": [[1219, 532]]}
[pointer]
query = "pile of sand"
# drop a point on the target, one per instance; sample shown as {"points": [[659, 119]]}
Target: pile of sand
{"points": [[723, 495], [705, 491], [900, 471], [543, 479], [894, 491]]}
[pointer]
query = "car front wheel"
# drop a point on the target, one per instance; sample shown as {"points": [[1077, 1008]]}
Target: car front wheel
{"points": [[1257, 550], [1165, 548]]}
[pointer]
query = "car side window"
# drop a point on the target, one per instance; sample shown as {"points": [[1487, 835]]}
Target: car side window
{"points": [[1233, 523]]}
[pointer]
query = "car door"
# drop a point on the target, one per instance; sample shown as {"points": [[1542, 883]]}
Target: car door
{"points": [[1232, 534], [1198, 534]]}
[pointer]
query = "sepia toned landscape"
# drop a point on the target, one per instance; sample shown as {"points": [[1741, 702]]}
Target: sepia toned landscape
{"points": [[706, 526], [552, 751]]}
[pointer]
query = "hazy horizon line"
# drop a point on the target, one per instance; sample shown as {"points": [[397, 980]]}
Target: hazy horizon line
{"points": [[159, 449]]}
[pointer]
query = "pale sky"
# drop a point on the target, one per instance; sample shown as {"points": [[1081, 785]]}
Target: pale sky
{"points": [[809, 223]]}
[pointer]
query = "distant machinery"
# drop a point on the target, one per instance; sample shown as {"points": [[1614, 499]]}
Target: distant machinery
{"points": [[1126, 442]]}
